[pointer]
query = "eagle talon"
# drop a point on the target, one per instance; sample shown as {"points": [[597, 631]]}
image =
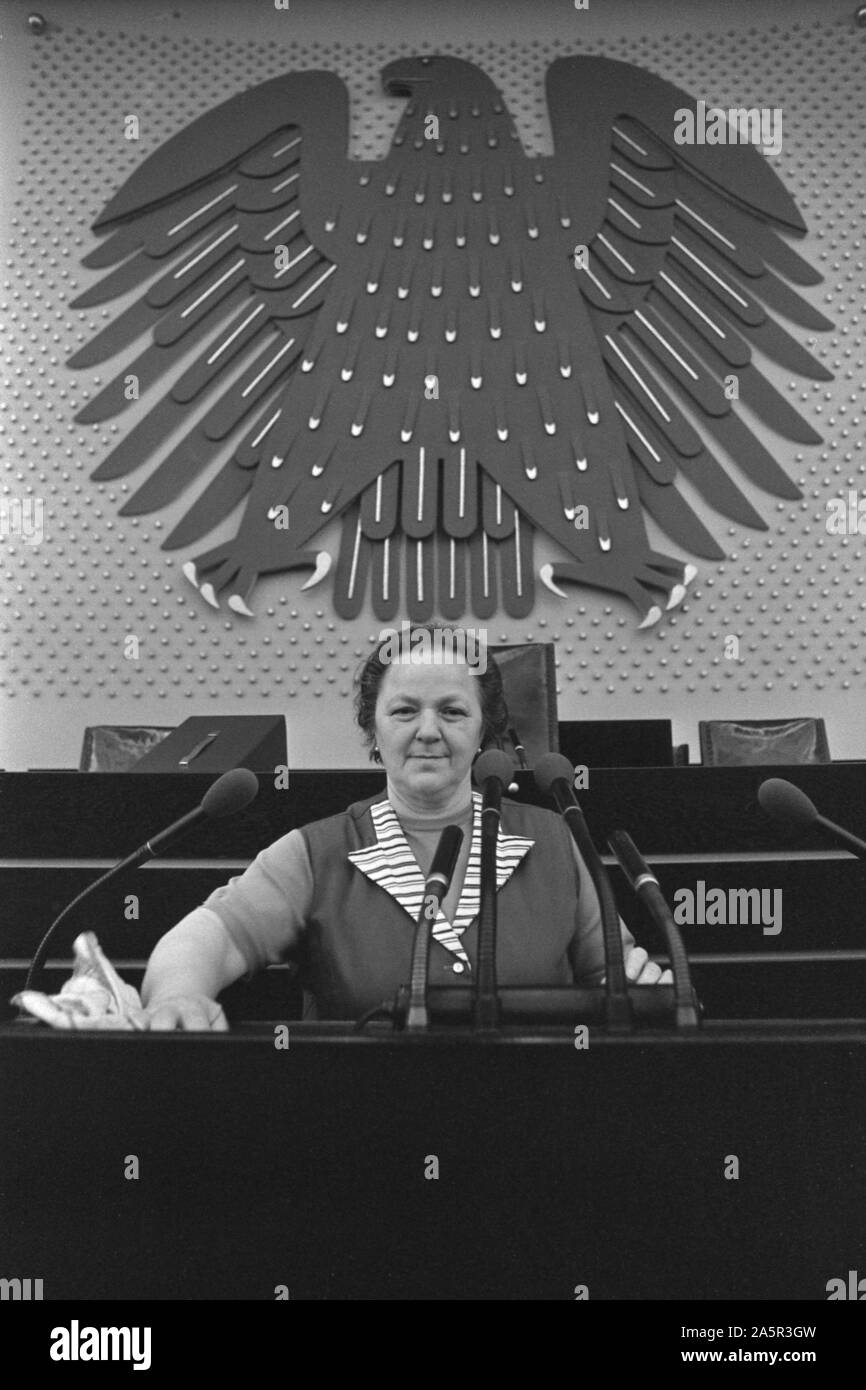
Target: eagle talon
{"points": [[545, 574], [691, 573], [237, 605], [652, 617], [189, 572], [323, 564], [207, 593], [676, 596]]}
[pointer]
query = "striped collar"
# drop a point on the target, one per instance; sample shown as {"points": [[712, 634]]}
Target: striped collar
{"points": [[391, 864]]}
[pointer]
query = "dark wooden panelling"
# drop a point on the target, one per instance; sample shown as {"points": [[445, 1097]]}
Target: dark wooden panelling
{"points": [[107, 815], [304, 1167], [31, 899], [688, 810], [781, 988], [822, 904]]}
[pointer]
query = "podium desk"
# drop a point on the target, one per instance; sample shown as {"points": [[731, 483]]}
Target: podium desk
{"points": [[438, 1166]]}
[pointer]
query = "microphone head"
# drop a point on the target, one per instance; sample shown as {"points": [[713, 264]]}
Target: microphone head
{"points": [[787, 803], [552, 767], [493, 763], [447, 851], [231, 792]]}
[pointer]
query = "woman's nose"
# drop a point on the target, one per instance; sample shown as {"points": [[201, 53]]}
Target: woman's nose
{"points": [[428, 726]]}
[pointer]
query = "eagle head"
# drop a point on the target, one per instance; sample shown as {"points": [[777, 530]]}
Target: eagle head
{"points": [[408, 77]]}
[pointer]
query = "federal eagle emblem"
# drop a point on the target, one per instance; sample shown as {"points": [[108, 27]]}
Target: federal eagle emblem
{"points": [[455, 347]]}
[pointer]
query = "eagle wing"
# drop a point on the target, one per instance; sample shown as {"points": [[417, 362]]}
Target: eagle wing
{"points": [[212, 233], [682, 278]]}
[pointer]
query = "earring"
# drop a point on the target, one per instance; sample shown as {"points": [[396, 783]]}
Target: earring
{"points": [[375, 750]]}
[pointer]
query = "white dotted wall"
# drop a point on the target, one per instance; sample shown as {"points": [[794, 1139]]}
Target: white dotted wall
{"points": [[85, 580]]}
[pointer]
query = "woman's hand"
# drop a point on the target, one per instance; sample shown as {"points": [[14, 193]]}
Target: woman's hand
{"points": [[640, 970], [191, 1012]]}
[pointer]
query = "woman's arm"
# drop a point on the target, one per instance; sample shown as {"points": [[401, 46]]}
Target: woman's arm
{"points": [[190, 966], [252, 921]]}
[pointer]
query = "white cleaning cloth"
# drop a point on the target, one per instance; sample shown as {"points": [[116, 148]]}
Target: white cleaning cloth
{"points": [[94, 996]]}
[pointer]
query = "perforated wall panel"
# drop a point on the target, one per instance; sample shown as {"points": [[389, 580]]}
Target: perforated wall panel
{"points": [[98, 623]]}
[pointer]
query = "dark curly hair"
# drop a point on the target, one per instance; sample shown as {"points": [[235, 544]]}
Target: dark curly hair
{"points": [[368, 682]]}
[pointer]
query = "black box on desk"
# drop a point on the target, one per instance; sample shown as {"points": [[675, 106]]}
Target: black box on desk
{"points": [[217, 742], [617, 742]]}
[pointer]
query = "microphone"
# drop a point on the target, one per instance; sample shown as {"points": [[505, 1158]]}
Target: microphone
{"points": [[646, 885], [228, 794], [435, 889], [492, 773], [554, 775], [791, 806]]}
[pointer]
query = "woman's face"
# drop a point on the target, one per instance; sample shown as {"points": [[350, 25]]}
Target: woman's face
{"points": [[428, 726]]}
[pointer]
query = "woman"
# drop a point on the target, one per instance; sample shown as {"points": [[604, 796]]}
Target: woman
{"points": [[341, 895]]}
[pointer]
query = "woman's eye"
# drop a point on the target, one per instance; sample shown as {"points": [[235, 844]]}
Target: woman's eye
{"points": [[408, 711]]}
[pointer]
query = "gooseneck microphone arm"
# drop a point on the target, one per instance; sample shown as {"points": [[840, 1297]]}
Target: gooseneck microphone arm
{"points": [[435, 890], [555, 776], [519, 750], [228, 794], [492, 772], [648, 889]]}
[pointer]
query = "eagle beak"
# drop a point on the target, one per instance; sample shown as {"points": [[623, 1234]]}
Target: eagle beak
{"points": [[400, 78]]}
